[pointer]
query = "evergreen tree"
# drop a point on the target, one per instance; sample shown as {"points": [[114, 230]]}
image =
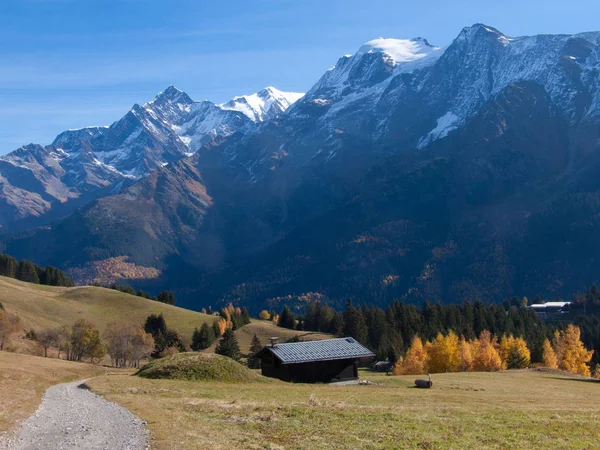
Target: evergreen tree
{"points": [[8, 266], [27, 271], [155, 324], [166, 297], [287, 319], [355, 325], [202, 338], [228, 345], [216, 329], [255, 347]]}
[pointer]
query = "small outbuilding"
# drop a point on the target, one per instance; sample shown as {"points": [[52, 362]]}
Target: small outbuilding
{"points": [[326, 361]]}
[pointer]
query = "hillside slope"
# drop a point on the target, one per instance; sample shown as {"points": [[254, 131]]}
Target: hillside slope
{"points": [[46, 306], [265, 330]]}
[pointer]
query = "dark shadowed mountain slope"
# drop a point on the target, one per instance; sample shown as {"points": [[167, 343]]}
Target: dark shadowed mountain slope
{"points": [[408, 171]]}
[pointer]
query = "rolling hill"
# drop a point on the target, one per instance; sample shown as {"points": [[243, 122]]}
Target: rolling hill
{"points": [[46, 306]]}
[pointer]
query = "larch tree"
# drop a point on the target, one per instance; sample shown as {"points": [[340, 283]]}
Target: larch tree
{"points": [[514, 353], [444, 353], [486, 357], [549, 356], [415, 360], [466, 355], [573, 356]]}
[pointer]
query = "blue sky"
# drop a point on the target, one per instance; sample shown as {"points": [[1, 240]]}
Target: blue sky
{"points": [[72, 63]]}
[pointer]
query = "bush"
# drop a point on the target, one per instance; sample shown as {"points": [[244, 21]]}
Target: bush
{"points": [[197, 367]]}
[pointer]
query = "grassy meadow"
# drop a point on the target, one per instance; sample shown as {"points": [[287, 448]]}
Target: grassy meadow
{"points": [[47, 306], [513, 409], [24, 379]]}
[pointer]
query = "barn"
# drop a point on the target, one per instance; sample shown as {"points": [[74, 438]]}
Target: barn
{"points": [[327, 361]]}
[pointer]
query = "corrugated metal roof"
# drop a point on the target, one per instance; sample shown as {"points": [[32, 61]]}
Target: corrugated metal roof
{"points": [[325, 350]]}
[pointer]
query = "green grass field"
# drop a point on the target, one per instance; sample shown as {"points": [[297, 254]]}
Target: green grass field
{"points": [[505, 410], [46, 306]]}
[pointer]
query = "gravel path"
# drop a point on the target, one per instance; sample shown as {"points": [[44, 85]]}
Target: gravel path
{"points": [[71, 417]]}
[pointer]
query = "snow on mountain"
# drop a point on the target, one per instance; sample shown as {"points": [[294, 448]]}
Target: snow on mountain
{"points": [[263, 105]]}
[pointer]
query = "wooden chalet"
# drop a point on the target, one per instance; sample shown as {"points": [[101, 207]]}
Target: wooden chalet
{"points": [[326, 361]]}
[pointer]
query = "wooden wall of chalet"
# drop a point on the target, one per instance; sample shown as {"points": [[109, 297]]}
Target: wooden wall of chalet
{"points": [[312, 372]]}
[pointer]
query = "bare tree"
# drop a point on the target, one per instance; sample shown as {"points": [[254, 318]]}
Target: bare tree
{"points": [[47, 338], [127, 343]]}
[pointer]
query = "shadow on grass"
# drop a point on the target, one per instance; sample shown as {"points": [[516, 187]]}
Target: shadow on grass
{"points": [[581, 380]]}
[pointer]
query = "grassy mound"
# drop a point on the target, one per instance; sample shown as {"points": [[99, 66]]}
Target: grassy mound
{"points": [[197, 367]]}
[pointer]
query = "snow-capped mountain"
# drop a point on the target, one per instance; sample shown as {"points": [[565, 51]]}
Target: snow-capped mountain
{"points": [[466, 171], [264, 105], [84, 164]]}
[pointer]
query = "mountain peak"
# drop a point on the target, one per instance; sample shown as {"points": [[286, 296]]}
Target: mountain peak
{"points": [[263, 105], [173, 95], [480, 30], [400, 50]]}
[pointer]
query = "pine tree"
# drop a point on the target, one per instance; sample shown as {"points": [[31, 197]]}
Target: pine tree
{"points": [[255, 347], [202, 338], [166, 297], [8, 266], [287, 319], [228, 345], [27, 271], [355, 325]]}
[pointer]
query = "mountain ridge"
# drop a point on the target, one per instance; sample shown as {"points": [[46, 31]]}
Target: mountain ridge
{"points": [[408, 171], [39, 184]]}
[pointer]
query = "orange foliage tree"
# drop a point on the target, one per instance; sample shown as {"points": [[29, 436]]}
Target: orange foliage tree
{"points": [[549, 356], [514, 353], [415, 361], [571, 354], [466, 355], [444, 353], [486, 357]]}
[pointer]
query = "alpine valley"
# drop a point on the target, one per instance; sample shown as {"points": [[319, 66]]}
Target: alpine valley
{"points": [[409, 171]]}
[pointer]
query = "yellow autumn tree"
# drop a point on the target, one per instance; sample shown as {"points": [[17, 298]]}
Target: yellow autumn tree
{"points": [[486, 357], [222, 323], [549, 356], [444, 353], [415, 360], [514, 353], [572, 355], [466, 355], [596, 373], [264, 315], [276, 319]]}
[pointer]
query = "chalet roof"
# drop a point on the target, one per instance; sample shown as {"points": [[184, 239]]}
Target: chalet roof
{"points": [[325, 350]]}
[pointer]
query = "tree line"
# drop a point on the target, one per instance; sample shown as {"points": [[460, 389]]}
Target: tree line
{"points": [[29, 272], [487, 353], [166, 297], [390, 332]]}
